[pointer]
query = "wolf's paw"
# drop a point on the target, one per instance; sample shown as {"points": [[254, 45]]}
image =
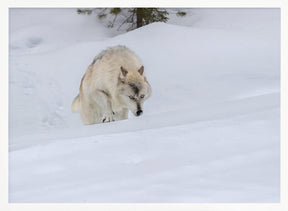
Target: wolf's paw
{"points": [[108, 117]]}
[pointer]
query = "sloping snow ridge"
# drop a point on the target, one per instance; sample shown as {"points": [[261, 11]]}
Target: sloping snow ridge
{"points": [[209, 133]]}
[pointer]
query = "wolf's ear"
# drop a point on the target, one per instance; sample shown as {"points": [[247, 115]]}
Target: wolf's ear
{"points": [[123, 74], [141, 70]]}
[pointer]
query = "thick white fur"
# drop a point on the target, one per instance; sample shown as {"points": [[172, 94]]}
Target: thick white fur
{"points": [[104, 91]]}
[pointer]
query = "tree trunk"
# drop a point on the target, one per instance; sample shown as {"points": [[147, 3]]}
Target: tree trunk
{"points": [[139, 16]]}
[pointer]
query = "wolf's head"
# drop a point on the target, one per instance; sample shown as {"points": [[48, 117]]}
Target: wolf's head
{"points": [[134, 89]]}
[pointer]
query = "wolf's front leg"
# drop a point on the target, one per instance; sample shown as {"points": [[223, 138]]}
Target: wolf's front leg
{"points": [[108, 117], [103, 99]]}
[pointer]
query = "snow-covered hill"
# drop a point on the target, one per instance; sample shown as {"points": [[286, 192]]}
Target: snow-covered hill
{"points": [[209, 133]]}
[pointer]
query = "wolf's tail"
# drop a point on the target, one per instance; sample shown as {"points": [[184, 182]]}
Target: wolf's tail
{"points": [[76, 104]]}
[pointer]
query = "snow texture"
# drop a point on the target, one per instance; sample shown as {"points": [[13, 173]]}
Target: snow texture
{"points": [[209, 133]]}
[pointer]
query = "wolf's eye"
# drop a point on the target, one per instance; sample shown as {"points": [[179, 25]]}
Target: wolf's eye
{"points": [[131, 97], [142, 96]]}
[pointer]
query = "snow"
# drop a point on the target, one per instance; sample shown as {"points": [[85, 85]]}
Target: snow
{"points": [[209, 133]]}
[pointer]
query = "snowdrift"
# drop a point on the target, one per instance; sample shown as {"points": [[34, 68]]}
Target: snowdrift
{"points": [[209, 133]]}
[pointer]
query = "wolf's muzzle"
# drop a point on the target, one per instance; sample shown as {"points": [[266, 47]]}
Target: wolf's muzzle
{"points": [[139, 112]]}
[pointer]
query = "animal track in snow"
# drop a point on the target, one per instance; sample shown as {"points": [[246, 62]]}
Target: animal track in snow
{"points": [[33, 42]]}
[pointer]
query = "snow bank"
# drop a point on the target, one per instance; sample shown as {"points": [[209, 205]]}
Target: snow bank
{"points": [[209, 133]]}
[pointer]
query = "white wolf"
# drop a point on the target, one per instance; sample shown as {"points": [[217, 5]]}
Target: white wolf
{"points": [[113, 83]]}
